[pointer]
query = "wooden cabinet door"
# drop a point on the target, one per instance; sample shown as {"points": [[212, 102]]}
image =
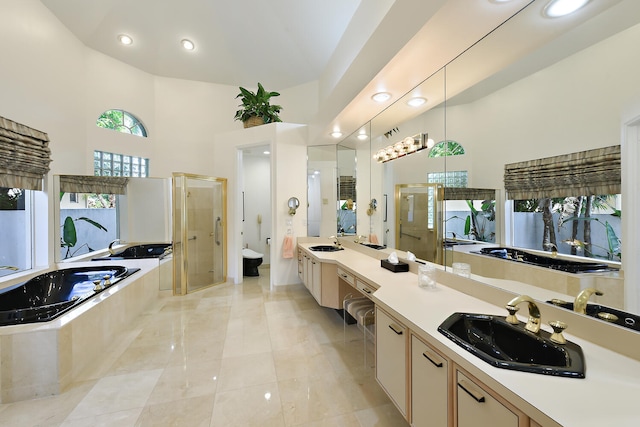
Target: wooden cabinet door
{"points": [[477, 407], [429, 386], [316, 280], [391, 358]]}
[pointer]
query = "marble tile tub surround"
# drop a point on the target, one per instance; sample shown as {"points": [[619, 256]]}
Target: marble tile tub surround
{"points": [[41, 359], [230, 355]]}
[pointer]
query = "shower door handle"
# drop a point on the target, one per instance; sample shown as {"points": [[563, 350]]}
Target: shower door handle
{"points": [[217, 230]]}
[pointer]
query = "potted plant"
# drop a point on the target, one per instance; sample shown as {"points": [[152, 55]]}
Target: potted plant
{"points": [[256, 109]]}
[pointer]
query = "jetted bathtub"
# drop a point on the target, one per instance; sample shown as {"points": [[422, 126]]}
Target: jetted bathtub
{"points": [[51, 294]]}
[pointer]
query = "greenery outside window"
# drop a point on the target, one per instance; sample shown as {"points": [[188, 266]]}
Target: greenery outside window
{"points": [[586, 226], [121, 121], [446, 148]]}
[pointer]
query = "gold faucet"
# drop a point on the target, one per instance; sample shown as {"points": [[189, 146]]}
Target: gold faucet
{"points": [[580, 304], [533, 324], [8, 267]]}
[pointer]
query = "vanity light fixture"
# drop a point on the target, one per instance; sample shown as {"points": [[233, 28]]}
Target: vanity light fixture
{"points": [[409, 145], [558, 8], [125, 39], [187, 44], [381, 96], [416, 101], [336, 134]]}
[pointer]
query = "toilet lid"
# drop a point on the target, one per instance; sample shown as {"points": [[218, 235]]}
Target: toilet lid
{"points": [[248, 253]]}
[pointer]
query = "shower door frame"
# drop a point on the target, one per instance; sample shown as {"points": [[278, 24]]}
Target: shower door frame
{"points": [[183, 271]]}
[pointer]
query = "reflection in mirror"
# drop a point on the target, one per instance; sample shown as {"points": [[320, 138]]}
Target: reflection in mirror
{"points": [[321, 190], [470, 215], [347, 194], [401, 120], [535, 100], [525, 91], [418, 213]]}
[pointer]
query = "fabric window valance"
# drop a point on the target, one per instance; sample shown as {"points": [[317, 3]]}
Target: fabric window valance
{"points": [[463, 193], [584, 173], [24, 156], [93, 184]]}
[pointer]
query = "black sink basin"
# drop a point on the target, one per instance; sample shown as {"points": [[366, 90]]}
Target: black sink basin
{"points": [[373, 246], [607, 314], [326, 248], [503, 345], [525, 257]]}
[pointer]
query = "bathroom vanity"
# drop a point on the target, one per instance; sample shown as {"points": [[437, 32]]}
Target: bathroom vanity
{"points": [[433, 381]]}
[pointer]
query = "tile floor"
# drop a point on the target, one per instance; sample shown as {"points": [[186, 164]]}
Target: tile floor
{"points": [[231, 355]]}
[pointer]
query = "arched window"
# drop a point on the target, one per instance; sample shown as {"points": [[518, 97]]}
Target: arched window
{"points": [[121, 121], [446, 148]]}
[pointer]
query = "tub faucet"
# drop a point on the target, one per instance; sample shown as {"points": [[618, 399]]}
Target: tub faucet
{"points": [[533, 324], [360, 239], [111, 246], [580, 303], [8, 267]]}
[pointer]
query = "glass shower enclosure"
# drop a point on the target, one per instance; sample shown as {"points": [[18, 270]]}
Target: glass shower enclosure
{"points": [[199, 230]]}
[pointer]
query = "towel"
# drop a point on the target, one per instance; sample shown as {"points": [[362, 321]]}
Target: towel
{"points": [[373, 239], [287, 247]]}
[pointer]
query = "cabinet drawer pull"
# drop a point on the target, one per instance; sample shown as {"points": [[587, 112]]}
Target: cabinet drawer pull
{"points": [[470, 391], [430, 357], [313, 262], [344, 276], [395, 328], [365, 290]]}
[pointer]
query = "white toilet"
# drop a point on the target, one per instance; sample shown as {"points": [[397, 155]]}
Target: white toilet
{"points": [[250, 262]]}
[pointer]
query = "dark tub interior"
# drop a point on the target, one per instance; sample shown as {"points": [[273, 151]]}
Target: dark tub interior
{"points": [[48, 295], [150, 250], [568, 266]]}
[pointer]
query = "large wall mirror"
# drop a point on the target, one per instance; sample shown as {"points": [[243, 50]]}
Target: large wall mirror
{"points": [[534, 87]]}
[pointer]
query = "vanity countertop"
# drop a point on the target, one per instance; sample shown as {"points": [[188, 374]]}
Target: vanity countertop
{"points": [[607, 396]]}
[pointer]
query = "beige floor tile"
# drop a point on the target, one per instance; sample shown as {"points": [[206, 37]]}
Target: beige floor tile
{"points": [[381, 416], [126, 418], [192, 379], [244, 371], [312, 399], [48, 411], [117, 393], [191, 412], [256, 406], [300, 361]]}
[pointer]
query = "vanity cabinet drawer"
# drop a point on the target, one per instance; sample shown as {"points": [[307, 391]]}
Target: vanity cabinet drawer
{"points": [[476, 405], [365, 288], [347, 277]]}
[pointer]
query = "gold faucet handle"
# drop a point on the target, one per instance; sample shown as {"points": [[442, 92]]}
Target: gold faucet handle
{"points": [[97, 285], [558, 328], [511, 318]]}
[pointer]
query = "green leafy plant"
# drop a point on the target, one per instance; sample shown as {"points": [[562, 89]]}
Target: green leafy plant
{"points": [[257, 105], [69, 237]]}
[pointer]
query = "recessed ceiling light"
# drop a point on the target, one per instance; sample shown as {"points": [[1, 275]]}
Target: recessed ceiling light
{"points": [[266, 152], [363, 136], [187, 44], [557, 8], [381, 96], [417, 101], [125, 39], [336, 134]]}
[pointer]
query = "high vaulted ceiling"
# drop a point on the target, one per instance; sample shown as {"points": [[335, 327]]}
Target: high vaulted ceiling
{"points": [[281, 43]]}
